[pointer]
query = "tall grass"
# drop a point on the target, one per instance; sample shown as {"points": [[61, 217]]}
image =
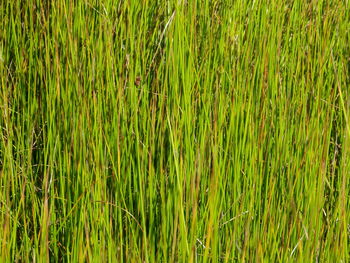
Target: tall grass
{"points": [[174, 131]]}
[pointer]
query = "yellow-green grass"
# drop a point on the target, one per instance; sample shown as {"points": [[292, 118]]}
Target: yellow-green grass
{"points": [[174, 131]]}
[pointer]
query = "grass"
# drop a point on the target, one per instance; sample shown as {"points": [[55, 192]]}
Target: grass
{"points": [[174, 131]]}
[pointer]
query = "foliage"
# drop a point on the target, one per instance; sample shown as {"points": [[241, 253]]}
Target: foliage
{"points": [[174, 131]]}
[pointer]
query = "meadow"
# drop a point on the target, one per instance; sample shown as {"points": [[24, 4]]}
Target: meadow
{"points": [[175, 131]]}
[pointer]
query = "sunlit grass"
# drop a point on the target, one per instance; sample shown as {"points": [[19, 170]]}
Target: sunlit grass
{"points": [[174, 131]]}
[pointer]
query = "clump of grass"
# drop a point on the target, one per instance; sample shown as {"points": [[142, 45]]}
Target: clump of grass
{"points": [[178, 131]]}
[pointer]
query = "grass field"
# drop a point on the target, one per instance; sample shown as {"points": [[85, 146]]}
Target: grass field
{"points": [[175, 131]]}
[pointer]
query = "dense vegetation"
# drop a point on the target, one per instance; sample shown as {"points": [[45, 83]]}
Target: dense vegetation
{"points": [[174, 131]]}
